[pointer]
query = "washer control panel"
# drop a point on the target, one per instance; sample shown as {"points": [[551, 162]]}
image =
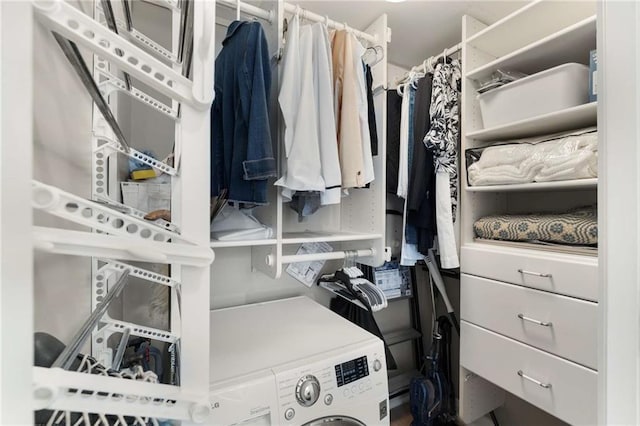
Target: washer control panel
{"points": [[307, 390], [332, 382], [351, 371]]}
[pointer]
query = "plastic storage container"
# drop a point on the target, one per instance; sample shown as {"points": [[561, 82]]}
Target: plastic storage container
{"points": [[555, 89]]}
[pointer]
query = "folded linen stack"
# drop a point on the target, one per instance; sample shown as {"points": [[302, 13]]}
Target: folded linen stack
{"points": [[563, 157], [575, 227]]}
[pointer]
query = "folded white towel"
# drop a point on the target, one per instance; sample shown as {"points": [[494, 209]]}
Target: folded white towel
{"points": [[503, 175], [571, 157]]}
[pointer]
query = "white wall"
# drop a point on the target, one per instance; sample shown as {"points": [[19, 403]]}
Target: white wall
{"points": [[62, 155], [393, 72]]}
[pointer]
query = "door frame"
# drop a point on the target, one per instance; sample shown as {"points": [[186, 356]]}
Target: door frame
{"points": [[618, 44]]}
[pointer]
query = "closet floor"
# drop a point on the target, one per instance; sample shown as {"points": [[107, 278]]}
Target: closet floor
{"points": [[401, 416]]}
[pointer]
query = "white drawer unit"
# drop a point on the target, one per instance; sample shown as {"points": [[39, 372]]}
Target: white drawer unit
{"points": [[571, 275], [558, 324], [560, 387]]}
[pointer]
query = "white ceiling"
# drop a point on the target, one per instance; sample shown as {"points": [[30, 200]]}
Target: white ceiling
{"points": [[419, 28]]}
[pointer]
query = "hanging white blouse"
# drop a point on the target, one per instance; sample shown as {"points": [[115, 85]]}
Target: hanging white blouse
{"points": [[403, 164], [303, 170], [327, 134], [363, 109]]}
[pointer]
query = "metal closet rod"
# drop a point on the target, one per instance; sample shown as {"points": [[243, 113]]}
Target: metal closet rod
{"points": [[291, 8], [294, 258], [252, 10], [421, 67]]}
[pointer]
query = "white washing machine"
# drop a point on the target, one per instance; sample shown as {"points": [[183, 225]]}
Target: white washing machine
{"points": [[294, 362]]}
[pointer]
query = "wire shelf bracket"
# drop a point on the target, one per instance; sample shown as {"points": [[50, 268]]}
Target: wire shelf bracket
{"points": [[79, 243], [105, 271], [117, 326], [109, 83], [71, 23], [106, 142], [167, 4], [135, 271], [172, 227], [138, 37], [57, 389], [98, 216]]}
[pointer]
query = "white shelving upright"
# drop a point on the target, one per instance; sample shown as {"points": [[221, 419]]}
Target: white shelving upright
{"points": [[16, 269], [184, 244], [358, 223], [540, 35]]}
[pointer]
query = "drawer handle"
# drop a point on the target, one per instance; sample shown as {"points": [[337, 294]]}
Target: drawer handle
{"points": [[537, 274], [535, 321], [531, 379]]}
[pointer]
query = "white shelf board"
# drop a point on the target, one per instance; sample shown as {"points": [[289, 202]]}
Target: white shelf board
{"points": [[567, 119], [168, 401], [318, 237], [400, 336], [242, 243], [80, 243], [516, 31], [538, 186], [571, 44], [588, 252]]}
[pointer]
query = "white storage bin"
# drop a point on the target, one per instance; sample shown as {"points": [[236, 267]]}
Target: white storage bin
{"points": [[555, 89]]}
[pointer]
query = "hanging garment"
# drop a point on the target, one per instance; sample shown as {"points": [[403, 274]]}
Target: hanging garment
{"points": [[403, 163], [409, 253], [303, 169], [241, 151], [327, 134], [394, 106], [421, 197], [363, 109], [373, 128], [442, 139], [345, 84]]}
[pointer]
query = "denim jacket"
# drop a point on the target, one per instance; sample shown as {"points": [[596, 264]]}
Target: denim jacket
{"points": [[241, 150]]}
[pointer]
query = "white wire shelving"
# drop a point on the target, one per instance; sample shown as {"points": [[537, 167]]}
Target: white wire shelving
{"points": [[58, 389], [80, 28], [98, 216], [121, 232]]}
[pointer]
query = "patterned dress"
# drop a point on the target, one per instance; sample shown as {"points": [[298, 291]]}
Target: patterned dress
{"points": [[442, 138]]}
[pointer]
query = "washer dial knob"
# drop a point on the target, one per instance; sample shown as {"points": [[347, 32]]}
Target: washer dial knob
{"points": [[377, 365], [307, 390]]}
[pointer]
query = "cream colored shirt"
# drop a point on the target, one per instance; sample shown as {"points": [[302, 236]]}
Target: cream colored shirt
{"points": [[345, 83]]}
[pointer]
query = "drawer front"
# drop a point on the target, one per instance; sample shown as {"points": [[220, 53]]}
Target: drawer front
{"points": [[561, 325], [560, 387], [571, 275]]}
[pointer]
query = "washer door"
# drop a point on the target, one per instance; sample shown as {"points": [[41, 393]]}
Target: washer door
{"points": [[335, 421]]}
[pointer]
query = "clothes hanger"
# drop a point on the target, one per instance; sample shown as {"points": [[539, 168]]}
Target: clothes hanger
{"points": [[408, 80], [378, 55], [414, 76], [237, 10]]}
